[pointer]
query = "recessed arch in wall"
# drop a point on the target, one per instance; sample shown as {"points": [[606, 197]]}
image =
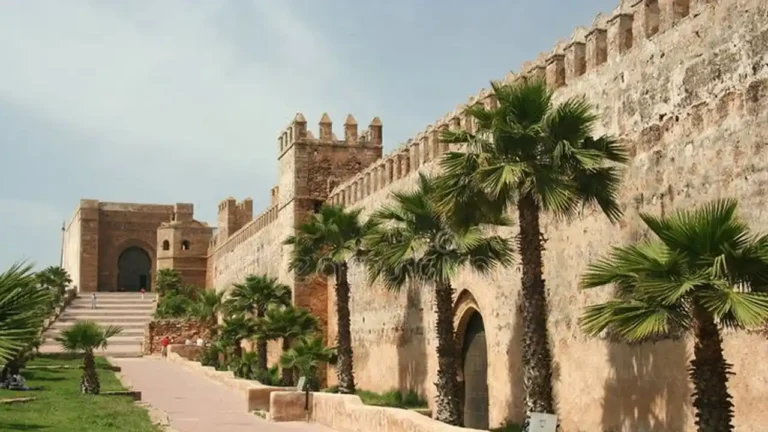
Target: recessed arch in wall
{"points": [[473, 361], [134, 269]]}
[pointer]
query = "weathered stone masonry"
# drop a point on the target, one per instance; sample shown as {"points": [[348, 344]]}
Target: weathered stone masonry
{"points": [[685, 85], [683, 82], [103, 236]]}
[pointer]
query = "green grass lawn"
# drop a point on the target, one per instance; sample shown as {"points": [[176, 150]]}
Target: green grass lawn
{"points": [[60, 407], [393, 398]]}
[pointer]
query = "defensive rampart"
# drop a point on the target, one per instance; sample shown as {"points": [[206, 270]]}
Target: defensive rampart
{"points": [[685, 84]]}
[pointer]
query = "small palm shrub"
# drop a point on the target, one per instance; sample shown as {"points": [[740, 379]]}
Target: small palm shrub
{"points": [[85, 337]]}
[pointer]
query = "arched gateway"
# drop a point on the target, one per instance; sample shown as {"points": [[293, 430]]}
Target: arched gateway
{"points": [[134, 269], [470, 331]]}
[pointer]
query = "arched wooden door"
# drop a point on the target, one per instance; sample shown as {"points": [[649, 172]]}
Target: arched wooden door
{"points": [[134, 269], [475, 368]]}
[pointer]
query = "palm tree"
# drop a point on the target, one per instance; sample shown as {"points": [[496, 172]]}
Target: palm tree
{"points": [[235, 329], [704, 272], [55, 278], [168, 281], [306, 356], [85, 337], [206, 307], [254, 297], [23, 308], [288, 323], [528, 153], [416, 244], [325, 245]]}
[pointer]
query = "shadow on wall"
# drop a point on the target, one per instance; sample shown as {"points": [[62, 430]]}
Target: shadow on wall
{"points": [[648, 388], [516, 404], [412, 344]]}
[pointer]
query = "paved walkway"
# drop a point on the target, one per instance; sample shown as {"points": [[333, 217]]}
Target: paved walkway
{"points": [[195, 403]]}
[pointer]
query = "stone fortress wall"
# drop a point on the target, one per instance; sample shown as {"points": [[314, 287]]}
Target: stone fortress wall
{"points": [[99, 233], [685, 84]]}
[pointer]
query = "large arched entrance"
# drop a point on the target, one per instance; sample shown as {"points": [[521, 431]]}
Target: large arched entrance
{"points": [[134, 267], [474, 352]]}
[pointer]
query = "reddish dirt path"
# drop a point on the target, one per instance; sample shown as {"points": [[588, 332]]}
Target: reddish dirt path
{"points": [[195, 403]]}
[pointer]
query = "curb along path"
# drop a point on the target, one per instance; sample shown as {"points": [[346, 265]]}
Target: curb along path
{"points": [[194, 403]]}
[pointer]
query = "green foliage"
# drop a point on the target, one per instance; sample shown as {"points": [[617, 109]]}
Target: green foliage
{"points": [[236, 328], [509, 427], [23, 307], [256, 295], [287, 322], [86, 336], [206, 307], [333, 236], [392, 398], [168, 281], [705, 258], [54, 278], [173, 305], [527, 146], [189, 301], [214, 351], [413, 241], [270, 377], [306, 356], [245, 366], [61, 407]]}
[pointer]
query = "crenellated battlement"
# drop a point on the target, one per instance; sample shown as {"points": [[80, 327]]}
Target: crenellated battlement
{"points": [[244, 232], [297, 132], [608, 39]]}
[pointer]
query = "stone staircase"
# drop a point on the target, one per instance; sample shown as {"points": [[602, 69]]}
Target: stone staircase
{"points": [[127, 310]]}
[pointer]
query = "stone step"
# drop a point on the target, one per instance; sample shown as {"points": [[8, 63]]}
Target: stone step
{"points": [[111, 351], [127, 332], [125, 325], [99, 314], [115, 306], [115, 302], [104, 318]]}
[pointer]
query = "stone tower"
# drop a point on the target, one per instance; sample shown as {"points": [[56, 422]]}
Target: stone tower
{"points": [[310, 167], [182, 244]]}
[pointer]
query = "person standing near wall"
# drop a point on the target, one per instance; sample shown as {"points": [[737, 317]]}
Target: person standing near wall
{"points": [[93, 301], [165, 343]]}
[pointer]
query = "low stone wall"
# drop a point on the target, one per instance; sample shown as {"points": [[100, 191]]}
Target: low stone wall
{"points": [[187, 352], [347, 413], [256, 396], [178, 331]]}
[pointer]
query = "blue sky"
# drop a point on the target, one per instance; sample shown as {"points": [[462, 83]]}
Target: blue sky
{"points": [[181, 101]]}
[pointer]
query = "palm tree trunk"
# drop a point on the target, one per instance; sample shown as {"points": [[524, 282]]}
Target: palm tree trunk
{"points": [[537, 355], [89, 383], [238, 349], [345, 371], [447, 405], [261, 344], [709, 373], [286, 374]]}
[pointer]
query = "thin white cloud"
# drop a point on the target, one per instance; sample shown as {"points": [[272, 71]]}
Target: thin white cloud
{"points": [[166, 76]]}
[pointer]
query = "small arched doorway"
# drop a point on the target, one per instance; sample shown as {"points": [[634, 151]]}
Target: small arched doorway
{"points": [[134, 267], [474, 352]]}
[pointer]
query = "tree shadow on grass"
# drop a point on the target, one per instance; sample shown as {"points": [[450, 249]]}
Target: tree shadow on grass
{"points": [[36, 375], [7, 426]]}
